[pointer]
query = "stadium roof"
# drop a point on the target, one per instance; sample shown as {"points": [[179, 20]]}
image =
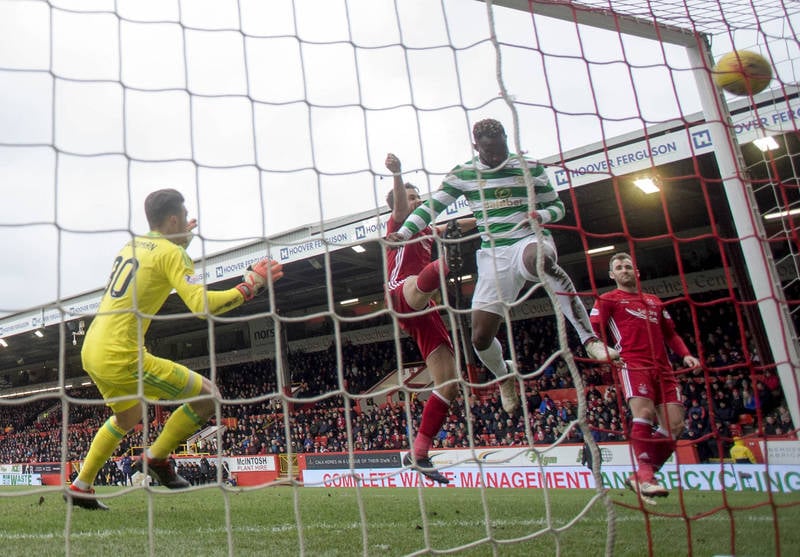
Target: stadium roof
{"points": [[307, 251]]}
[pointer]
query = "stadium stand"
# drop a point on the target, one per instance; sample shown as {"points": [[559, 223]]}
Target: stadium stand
{"points": [[732, 401]]}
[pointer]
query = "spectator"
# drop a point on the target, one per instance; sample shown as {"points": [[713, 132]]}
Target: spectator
{"points": [[33, 436], [547, 406], [718, 443], [749, 400], [723, 413], [696, 412], [770, 425], [127, 471]]}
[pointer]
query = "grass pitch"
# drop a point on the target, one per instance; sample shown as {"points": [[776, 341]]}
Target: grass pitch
{"points": [[281, 521]]}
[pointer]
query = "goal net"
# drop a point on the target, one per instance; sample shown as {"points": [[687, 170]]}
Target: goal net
{"points": [[274, 120]]}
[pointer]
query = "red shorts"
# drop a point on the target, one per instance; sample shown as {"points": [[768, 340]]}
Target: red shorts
{"points": [[427, 329], [656, 383]]}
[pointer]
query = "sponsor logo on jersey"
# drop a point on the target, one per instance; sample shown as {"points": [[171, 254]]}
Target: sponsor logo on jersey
{"points": [[502, 203], [502, 193], [639, 314]]}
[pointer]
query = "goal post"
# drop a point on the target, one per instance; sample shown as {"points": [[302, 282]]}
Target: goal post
{"points": [[761, 272], [760, 266]]}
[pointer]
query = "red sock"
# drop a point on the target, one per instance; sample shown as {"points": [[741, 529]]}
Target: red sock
{"points": [[644, 448], [433, 416], [663, 447], [428, 278]]}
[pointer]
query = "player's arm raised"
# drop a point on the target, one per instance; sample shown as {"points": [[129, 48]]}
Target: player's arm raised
{"points": [[425, 213], [219, 301], [187, 239], [259, 277], [400, 207]]}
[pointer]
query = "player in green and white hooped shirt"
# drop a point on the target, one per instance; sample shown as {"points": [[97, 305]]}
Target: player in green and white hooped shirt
{"points": [[494, 186]]}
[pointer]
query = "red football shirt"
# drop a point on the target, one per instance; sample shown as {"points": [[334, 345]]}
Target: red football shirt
{"points": [[410, 258], [639, 326]]}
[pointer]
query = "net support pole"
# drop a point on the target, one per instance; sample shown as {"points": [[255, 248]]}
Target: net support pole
{"points": [[760, 266]]}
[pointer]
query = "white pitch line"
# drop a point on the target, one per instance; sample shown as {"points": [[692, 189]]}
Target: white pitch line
{"points": [[326, 526]]}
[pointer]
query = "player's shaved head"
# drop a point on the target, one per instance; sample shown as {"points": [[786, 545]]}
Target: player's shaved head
{"points": [[488, 128], [390, 195], [162, 204]]}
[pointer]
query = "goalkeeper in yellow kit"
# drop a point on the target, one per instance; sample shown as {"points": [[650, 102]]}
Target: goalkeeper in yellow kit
{"points": [[144, 273]]}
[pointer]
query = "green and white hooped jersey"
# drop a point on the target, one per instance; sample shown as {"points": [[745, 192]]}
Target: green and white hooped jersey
{"points": [[498, 199]]}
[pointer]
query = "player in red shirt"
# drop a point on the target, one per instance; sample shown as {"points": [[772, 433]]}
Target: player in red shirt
{"points": [[642, 329], [412, 280]]}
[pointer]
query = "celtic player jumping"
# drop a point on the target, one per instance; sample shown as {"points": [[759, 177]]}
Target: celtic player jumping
{"points": [[493, 184]]}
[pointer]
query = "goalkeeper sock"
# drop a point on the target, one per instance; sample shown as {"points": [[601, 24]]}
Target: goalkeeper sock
{"points": [[492, 358], [428, 278], [644, 447], [433, 416], [664, 446], [183, 422], [103, 445]]}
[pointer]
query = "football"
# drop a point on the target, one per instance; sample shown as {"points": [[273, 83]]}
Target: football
{"points": [[742, 73]]}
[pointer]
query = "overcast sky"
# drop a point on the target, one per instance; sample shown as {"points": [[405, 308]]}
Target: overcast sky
{"points": [[269, 115]]}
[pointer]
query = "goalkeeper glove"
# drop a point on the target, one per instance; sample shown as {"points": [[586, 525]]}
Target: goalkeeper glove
{"points": [[256, 278]]}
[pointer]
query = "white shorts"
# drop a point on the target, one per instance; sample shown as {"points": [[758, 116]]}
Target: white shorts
{"points": [[502, 274]]}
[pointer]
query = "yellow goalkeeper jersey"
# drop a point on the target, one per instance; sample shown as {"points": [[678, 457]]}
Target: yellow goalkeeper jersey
{"points": [[144, 273]]}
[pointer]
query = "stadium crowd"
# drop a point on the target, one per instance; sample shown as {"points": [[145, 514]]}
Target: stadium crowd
{"points": [[725, 398]]}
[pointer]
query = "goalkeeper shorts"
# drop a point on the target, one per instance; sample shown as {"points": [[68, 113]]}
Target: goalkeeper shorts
{"points": [[161, 379]]}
